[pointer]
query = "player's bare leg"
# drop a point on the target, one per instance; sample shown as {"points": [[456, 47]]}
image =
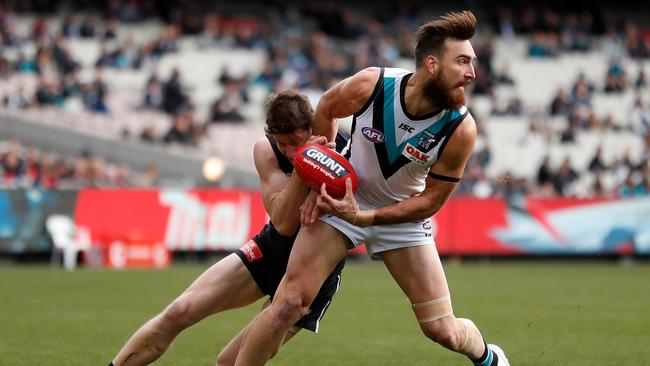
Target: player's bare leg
{"points": [[315, 254], [225, 285], [419, 273], [228, 355]]}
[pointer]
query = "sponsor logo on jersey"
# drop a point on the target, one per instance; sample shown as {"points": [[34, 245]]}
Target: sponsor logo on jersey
{"points": [[372, 135], [426, 140], [324, 163], [252, 251], [415, 155]]}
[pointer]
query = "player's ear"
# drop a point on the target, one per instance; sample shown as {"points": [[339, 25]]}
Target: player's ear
{"points": [[432, 64]]}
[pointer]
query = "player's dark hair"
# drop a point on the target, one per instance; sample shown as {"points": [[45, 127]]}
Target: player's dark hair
{"points": [[287, 112], [431, 36]]}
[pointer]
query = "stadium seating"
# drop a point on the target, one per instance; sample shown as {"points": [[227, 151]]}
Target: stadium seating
{"points": [[536, 81]]}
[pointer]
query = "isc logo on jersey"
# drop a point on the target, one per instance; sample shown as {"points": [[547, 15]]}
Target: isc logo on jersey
{"points": [[415, 155], [325, 162], [372, 135]]}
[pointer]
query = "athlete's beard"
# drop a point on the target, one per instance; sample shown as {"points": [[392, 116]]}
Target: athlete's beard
{"points": [[443, 95]]}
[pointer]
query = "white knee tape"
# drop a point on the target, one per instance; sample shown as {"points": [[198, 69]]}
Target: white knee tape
{"points": [[433, 310], [469, 328]]}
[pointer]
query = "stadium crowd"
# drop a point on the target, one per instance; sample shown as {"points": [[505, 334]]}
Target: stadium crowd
{"points": [[309, 47], [28, 167]]}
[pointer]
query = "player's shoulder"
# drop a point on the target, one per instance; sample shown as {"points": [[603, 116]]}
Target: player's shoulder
{"points": [[367, 78], [373, 74], [395, 72], [262, 145], [466, 130], [263, 153]]}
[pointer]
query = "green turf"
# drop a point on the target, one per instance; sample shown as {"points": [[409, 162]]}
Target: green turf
{"points": [[540, 313]]}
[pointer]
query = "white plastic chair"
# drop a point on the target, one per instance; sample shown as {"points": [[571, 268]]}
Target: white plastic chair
{"points": [[68, 239]]}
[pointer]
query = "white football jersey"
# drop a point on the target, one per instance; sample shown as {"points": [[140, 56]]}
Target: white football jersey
{"points": [[391, 150]]}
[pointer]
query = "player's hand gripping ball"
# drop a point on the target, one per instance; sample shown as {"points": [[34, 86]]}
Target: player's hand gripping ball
{"points": [[317, 164]]}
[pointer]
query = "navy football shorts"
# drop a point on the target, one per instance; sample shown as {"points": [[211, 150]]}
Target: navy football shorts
{"points": [[266, 257]]}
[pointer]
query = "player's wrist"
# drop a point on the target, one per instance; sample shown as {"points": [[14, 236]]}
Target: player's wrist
{"points": [[364, 218]]}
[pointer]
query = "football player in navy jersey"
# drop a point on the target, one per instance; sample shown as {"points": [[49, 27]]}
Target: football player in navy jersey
{"points": [[255, 270]]}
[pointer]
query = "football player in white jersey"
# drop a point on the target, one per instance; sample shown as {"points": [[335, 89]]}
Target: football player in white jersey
{"points": [[412, 137]]}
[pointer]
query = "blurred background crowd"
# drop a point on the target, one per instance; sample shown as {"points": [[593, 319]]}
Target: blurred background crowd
{"points": [[561, 96]]}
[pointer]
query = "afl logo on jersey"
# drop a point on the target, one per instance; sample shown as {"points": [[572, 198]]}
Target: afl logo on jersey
{"points": [[372, 135]]}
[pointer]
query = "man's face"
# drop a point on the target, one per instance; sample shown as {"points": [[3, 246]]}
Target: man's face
{"points": [[290, 142], [446, 88]]}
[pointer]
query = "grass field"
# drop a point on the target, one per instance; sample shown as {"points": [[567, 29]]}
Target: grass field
{"points": [[540, 313]]}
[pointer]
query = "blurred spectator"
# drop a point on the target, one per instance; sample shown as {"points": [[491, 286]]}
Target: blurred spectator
{"points": [[154, 97], [147, 135], [569, 135], [634, 44], [581, 95], [482, 84], [563, 179], [505, 24], [105, 59], [630, 187], [168, 42], [49, 175], [211, 33], [640, 116], [111, 29], [615, 82], [511, 187], [173, 97], [543, 44], [70, 27], [151, 177], [39, 28], [623, 166], [88, 27], [17, 99], [544, 173], [597, 164], [45, 93], [641, 82], [94, 95], [128, 11], [560, 103], [227, 108], [482, 187], [504, 77], [182, 130], [611, 44], [534, 137]]}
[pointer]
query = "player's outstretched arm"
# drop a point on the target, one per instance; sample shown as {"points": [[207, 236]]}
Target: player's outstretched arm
{"points": [[443, 179]]}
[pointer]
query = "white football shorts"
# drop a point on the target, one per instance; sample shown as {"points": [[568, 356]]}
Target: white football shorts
{"points": [[380, 238]]}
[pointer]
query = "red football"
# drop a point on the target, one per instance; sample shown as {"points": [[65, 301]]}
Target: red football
{"points": [[317, 164]]}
